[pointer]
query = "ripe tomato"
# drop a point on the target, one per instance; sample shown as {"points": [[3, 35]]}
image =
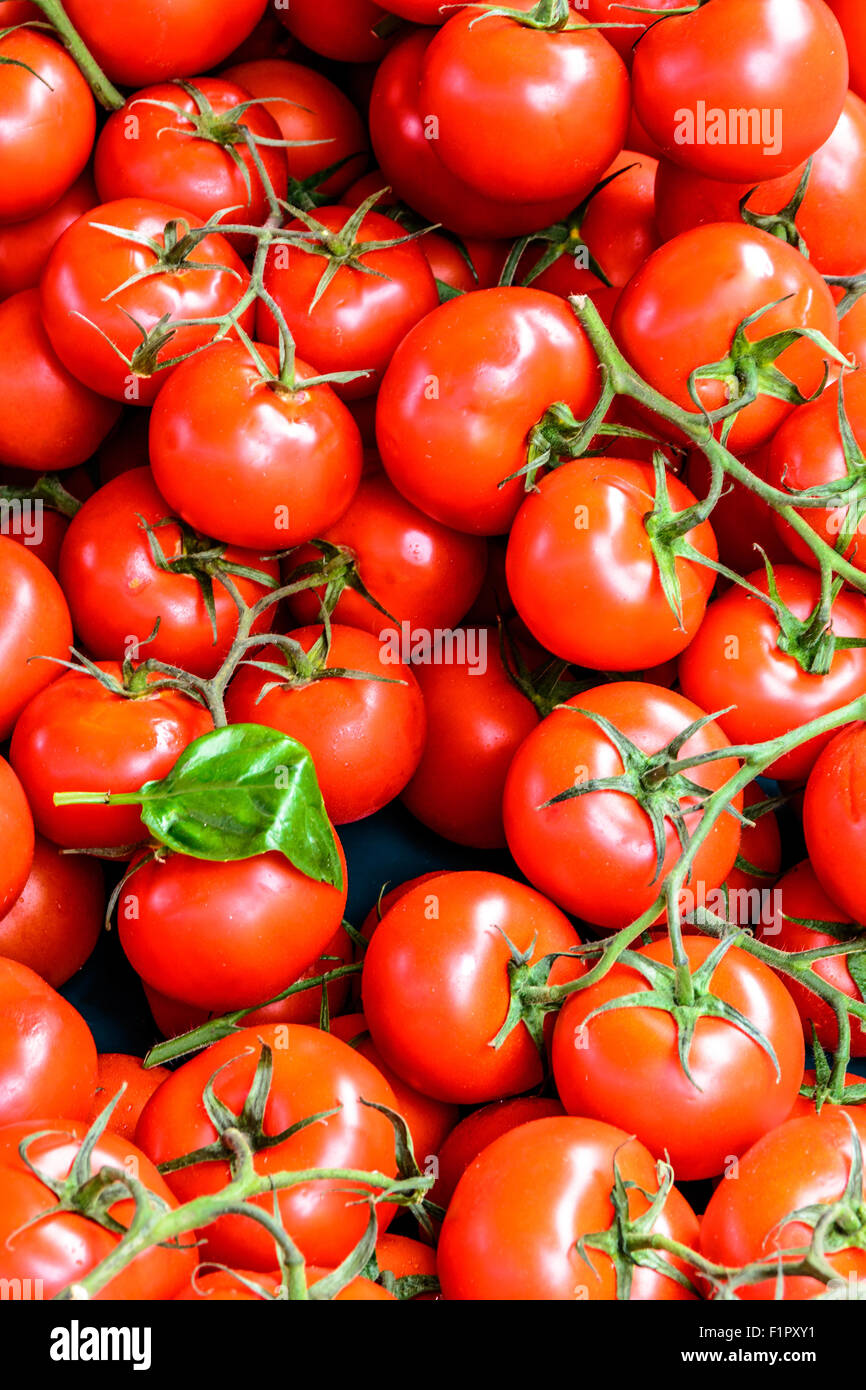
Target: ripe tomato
{"points": [[827, 220], [47, 1053], [310, 108], [736, 659], [116, 590], [24, 246], [55, 923], [519, 1211], [736, 1095], [138, 41], [250, 462], [49, 420], [365, 736], [803, 1164], [670, 319], [801, 899], [405, 1258], [16, 830], [851, 17], [485, 81], [742, 89], [82, 298], [312, 1072], [473, 1134], [595, 855], [615, 12], [116, 1069], [477, 718], [436, 985], [482, 368], [222, 935], [402, 139], [48, 119], [834, 820], [363, 315], [741, 520], [340, 29], [78, 735], [757, 865], [147, 151], [36, 624], [421, 572], [55, 1249], [583, 575]]}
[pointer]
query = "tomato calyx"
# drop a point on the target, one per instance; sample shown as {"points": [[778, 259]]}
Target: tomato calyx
{"points": [[553, 16], [306, 193], [545, 687], [337, 571], [299, 668], [830, 1088], [47, 489], [627, 1241], [528, 1003], [667, 530], [781, 224], [561, 239], [839, 1225], [848, 491]]}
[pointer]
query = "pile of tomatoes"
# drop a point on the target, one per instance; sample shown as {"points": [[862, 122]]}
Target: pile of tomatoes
{"points": [[455, 410]]}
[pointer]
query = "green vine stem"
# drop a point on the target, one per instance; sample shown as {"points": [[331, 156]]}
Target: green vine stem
{"points": [[105, 92]]}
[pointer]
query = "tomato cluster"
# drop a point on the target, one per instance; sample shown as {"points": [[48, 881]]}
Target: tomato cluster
{"points": [[506, 497]]}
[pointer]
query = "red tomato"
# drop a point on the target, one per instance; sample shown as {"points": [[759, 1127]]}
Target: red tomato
{"points": [[25, 246], [583, 575], [852, 333], [436, 984], [421, 572], [803, 1106], [742, 89], [365, 736], [35, 625], [405, 1258], [803, 1164], [16, 831], [341, 29], [312, 1073], [834, 819], [115, 1069], [309, 108], [482, 368], [59, 1248], [252, 464], [741, 520], [736, 659], [47, 1053], [735, 1095], [616, 13], [801, 899], [503, 87], [138, 41], [473, 1134], [476, 720], [514, 1223], [55, 923], [851, 17], [82, 299], [363, 315], [78, 735], [594, 854], [49, 420], [48, 119], [148, 151], [757, 865], [224, 935], [671, 319], [117, 592]]}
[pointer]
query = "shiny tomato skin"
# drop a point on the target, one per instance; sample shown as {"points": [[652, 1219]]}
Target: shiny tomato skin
{"points": [[583, 575], [147, 151], [479, 1129], [787, 62], [339, 29], [313, 1072], [16, 829], [47, 1052], [55, 922], [633, 23], [670, 319], [834, 820], [735, 1096], [512, 1228], [79, 736], [594, 854], [852, 18], [60, 1249], [251, 465], [48, 121], [117, 592], [404, 1257], [36, 623], [25, 246], [411, 165], [419, 571], [366, 737], [735, 660], [803, 1163], [49, 419], [87, 266], [139, 41], [224, 935], [476, 720], [478, 372], [363, 315], [435, 984], [116, 1069], [800, 898]]}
